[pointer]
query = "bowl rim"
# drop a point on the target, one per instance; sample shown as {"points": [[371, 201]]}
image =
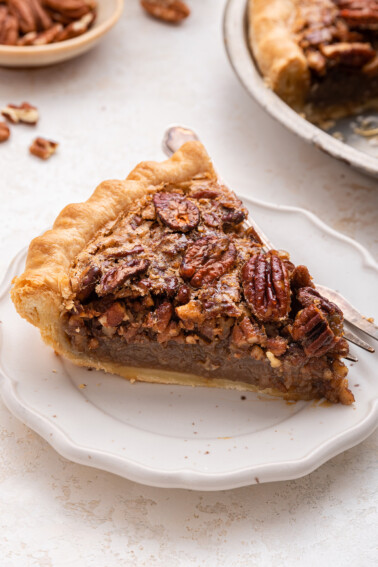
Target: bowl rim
{"points": [[88, 36]]}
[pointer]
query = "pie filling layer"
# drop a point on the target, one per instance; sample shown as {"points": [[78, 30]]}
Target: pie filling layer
{"points": [[340, 42], [178, 283]]}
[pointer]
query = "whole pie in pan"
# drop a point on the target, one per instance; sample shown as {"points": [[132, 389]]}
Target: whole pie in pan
{"points": [[320, 56], [157, 278]]}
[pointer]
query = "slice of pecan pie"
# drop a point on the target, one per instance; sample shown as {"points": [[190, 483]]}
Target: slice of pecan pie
{"points": [[320, 56], [156, 278]]}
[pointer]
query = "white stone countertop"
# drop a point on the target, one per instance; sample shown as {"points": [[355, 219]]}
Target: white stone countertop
{"points": [[109, 109]]}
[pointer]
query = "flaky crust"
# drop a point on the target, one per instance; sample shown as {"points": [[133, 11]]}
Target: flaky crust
{"points": [[280, 59]]}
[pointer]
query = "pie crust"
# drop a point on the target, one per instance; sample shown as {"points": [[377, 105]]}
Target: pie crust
{"points": [[47, 293]]}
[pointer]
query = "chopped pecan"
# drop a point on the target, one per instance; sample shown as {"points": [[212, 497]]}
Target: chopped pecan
{"points": [[234, 216], [301, 278], [316, 61], [350, 54], [277, 345], [312, 330], [204, 194], [248, 333], [170, 286], [158, 320], [27, 39], [43, 148], [177, 212], [87, 282], [25, 113], [207, 259], [47, 36], [316, 36], [76, 28], [172, 11], [266, 286], [114, 315], [117, 276], [117, 253], [183, 294], [191, 313], [253, 235], [4, 132]]}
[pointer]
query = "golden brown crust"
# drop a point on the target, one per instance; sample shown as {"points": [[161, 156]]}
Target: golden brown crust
{"points": [[280, 59]]}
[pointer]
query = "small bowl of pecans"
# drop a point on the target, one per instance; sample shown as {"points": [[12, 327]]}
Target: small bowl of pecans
{"points": [[35, 33]]}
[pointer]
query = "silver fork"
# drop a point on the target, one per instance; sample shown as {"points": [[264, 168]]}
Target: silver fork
{"points": [[173, 139]]}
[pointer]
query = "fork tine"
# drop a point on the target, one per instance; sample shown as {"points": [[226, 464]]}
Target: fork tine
{"points": [[350, 336], [351, 357]]}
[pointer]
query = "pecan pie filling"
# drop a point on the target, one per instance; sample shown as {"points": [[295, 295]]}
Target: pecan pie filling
{"points": [[179, 283], [340, 42]]}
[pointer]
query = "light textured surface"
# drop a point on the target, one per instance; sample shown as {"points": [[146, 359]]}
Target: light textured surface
{"points": [[108, 110]]}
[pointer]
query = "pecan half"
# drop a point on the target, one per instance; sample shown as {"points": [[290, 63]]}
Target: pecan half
{"points": [[4, 132], [359, 13], [309, 296], [172, 11], [207, 259], [266, 286], [43, 148], [30, 15], [87, 282], [23, 11], [312, 330], [177, 212], [117, 276], [8, 27], [69, 10], [350, 54], [24, 113]]}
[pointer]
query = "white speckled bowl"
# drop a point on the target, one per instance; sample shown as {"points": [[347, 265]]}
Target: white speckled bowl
{"points": [[109, 12]]}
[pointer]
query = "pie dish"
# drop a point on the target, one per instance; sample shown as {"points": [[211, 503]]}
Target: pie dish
{"points": [[320, 56], [156, 278]]}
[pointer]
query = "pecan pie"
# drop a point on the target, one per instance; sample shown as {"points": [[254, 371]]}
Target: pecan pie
{"points": [[157, 278], [320, 56]]}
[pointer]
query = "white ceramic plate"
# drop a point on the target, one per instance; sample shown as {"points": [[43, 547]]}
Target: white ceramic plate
{"points": [[356, 151], [198, 438], [108, 13]]}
